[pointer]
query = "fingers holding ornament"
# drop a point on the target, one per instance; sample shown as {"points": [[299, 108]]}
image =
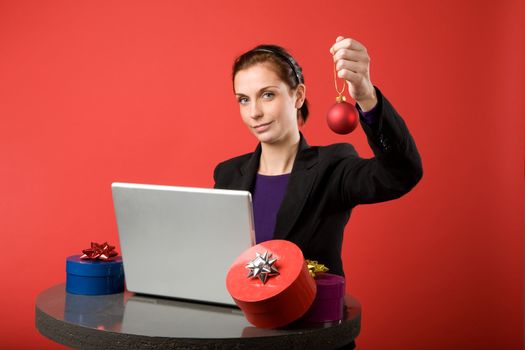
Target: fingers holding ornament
{"points": [[352, 63], [346, 43], [351, 55], [359, 87], [354, 67]]}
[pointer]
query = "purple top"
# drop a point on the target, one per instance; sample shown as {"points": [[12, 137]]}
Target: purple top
{"points": [[268, 194]]}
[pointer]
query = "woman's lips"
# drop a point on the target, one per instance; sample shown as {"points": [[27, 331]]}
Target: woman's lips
{"points": [[262, 127]]}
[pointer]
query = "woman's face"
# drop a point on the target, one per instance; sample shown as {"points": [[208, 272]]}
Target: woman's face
{"points": [[267, 106]]}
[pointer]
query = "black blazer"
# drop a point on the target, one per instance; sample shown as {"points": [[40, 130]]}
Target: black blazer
{"points": [[328, 181]]}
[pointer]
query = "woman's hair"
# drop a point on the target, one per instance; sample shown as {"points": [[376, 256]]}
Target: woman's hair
{"points": [[284, 64]]}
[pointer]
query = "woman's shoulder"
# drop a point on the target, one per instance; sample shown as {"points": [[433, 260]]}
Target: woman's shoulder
{"points": [[231, 165], [234, 162], [336, 151]]}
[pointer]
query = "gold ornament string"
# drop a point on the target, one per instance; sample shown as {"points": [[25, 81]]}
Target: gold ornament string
{"points": [[340, 97]]}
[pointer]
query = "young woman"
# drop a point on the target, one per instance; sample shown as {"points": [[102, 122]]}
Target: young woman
{"points": [[305, 194]]}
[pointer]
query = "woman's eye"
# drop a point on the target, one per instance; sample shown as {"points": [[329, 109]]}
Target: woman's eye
{"points": [[244, 100]]}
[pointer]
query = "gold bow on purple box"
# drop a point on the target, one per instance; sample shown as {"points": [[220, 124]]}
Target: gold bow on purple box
{"points": [[314, 267]]}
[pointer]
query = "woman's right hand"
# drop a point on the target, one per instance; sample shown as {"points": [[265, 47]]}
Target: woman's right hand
{"points": [[352, 63]]}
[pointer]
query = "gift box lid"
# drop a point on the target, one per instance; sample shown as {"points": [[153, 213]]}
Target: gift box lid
{"points": [[93, 268], [290, 263]]}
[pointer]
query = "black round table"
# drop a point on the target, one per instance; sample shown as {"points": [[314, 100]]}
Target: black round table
{"points": [[130, 321]]}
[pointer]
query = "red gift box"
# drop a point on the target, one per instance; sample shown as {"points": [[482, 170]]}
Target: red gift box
{"points": [[284, 297]]}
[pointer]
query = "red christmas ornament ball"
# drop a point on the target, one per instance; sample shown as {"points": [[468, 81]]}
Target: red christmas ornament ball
{"points": [[342, 118]]}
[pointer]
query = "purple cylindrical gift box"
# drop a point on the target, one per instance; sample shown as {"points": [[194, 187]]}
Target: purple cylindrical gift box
{"points": [[329, 300]]}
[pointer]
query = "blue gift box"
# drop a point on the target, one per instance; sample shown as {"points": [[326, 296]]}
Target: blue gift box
{"points": [[94, 277]]}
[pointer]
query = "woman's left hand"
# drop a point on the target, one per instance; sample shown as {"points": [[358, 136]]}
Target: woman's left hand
{"points": [[353, 64]]}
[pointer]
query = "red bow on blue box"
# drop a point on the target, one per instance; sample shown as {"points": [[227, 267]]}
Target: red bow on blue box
{"points": [[97, 251]]}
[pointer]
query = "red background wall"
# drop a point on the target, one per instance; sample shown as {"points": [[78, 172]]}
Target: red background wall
{"points": [[93, 92]]}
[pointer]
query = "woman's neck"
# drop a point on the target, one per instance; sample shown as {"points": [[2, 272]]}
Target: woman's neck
{"points": [[278, 158]]}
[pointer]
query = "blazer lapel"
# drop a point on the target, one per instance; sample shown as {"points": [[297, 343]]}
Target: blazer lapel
{"points": [[249, 169], [299, 187]]}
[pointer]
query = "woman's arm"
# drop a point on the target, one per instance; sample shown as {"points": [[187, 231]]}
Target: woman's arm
{"points": [[396, 167]]}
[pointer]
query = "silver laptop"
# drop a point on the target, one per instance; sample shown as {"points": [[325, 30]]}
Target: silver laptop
{"points": [[180, 241]]}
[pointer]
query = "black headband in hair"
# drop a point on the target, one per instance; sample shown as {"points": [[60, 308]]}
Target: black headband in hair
{"points": [[284, 57]]}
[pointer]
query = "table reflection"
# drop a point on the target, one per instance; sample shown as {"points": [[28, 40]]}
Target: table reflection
{"points": [[128, 313], [102, 312]]}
